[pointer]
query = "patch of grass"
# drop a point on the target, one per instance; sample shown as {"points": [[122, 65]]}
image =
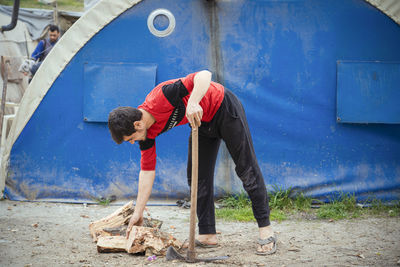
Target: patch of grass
{"points": [[302, 202], [73, 5], [341, 207], [238, 207], [235, 214], [287, 199], [377, 207], [280, 198], [278, 215], [104, 201], [395, 210], [236, 201], [345, 207], [235, 208], [285, 203]]}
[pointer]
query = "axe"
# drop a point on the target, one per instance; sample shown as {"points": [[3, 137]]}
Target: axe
{"points": [[172, 254]]}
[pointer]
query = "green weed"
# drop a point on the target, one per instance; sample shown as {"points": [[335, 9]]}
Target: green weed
{"points": [[287, 199], [302, 202], [244, 214], [278, 215], [236, 201], [340, 207], [377, 207], [238, 207], [104, 202], [235, 208], [280, 198]]}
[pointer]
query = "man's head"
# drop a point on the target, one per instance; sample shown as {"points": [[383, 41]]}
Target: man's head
{"points": [[54, 33], [125, 124]]}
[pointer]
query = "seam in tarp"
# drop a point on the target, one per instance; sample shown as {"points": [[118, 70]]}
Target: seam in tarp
{"points": [[66, 48]]}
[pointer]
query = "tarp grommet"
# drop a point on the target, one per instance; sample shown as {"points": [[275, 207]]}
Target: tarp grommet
{"points": [[152, 17]]}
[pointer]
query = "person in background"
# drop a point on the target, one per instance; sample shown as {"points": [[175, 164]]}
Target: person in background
{"points": [[41, 51], [44, 46]]}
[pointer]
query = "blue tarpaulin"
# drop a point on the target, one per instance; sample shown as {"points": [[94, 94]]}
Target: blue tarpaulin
{"points": [[279, 57]]}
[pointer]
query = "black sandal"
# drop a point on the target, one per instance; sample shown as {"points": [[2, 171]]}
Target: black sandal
{"points": [[262, 242]]}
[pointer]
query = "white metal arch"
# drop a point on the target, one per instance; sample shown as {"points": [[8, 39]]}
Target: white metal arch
{"points": [[390, 7]]}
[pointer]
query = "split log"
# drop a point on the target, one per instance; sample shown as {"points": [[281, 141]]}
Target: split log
{"points": [[117, 219], [116, 231], [111, 244], [110, 231], [145, 238], [141, 239]]}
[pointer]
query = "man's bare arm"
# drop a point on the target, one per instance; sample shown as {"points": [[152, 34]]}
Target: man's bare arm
{"points": [[146, 180], [194, 112]]}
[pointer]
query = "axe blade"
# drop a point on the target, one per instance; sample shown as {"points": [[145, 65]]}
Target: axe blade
{"points": [[172, 254]]}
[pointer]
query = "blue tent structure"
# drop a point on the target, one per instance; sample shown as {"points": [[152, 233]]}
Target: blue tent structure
{"points": [[319, 79]]}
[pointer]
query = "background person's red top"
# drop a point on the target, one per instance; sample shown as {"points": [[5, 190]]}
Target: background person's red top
{"points": [[167, 103]]}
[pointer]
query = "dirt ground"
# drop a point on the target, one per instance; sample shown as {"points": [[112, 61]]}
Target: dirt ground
{"points": [[54, 234]]}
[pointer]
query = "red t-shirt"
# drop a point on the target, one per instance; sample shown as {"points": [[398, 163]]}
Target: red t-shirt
{"points": [[167, 103]]}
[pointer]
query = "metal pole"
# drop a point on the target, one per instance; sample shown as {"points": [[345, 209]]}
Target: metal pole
{"points": [[4, 75], [14, 18], [55, 13]]}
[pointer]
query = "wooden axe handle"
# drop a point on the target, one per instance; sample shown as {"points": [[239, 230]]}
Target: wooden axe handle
{"points": [[191, 254]]}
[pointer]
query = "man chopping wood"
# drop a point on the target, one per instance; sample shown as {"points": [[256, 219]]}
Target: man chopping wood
{"points": [[196, 100]]}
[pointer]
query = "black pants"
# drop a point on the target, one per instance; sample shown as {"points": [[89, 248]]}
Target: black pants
{"points": [[230, 125]]}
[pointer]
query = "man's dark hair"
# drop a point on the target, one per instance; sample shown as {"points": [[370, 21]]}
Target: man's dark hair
{"points": [[53, 28], [120, 122]]}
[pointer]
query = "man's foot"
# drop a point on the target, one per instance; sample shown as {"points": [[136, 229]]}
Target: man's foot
{"points": [[264, 234], [210, 239], [203, 241]]}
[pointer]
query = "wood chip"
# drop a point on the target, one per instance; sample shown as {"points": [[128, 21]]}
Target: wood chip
{"points": [[84, 216]]}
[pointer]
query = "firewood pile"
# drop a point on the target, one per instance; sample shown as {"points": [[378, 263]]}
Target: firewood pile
{"points": [[110, 234]]}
